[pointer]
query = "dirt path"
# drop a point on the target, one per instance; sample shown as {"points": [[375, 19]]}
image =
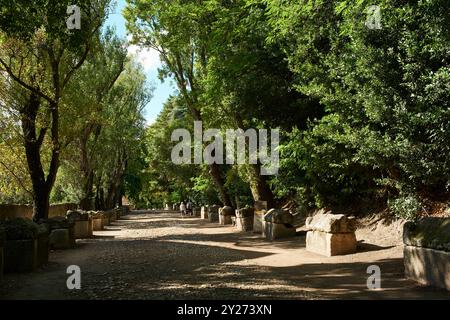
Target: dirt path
{"points": [[149, 255]]}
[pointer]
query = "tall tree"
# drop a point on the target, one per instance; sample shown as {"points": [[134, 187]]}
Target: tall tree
{"points": [[38, 63]]}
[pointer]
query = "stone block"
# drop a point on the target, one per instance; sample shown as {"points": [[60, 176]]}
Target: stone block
{"points": [[244, 223], [225, 220], [279, 216], [273, 231], [204, 212], [430, 232], [83, 229], [213, 216], [427, 266], [20, 255], [97, 224], [61, 239], [330, 244], [331, 223], [259, 212]]}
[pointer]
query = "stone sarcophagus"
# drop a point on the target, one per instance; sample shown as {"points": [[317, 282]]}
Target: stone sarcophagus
{"points": [[277, 224], [331, 234], [244, 219], [260, 211], [225, 215], [83, 224], [213, 213], [427, 251], [204, 212]]}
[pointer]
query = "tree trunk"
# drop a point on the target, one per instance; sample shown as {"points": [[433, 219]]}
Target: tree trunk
{"points": [[218, 180], [260, 188], [32, 145]]}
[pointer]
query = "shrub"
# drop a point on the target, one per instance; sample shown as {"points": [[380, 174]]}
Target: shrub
{"points": [[20, 229], [406, 207]]}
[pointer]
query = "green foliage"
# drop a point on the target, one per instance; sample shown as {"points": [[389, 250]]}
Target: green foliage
{"points": [[407, 207]]}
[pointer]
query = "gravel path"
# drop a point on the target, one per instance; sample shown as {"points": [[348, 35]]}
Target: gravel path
{"points": [[151, 255]]}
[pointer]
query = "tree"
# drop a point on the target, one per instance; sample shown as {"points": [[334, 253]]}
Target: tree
{"points": [[37, 64], [176, 30]]}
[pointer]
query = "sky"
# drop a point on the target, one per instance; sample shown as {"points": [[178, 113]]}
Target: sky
{"points": [[149, 60]]}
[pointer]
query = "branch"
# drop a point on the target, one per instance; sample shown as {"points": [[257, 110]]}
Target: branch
{"points": [[17, 178], [23, 84]]}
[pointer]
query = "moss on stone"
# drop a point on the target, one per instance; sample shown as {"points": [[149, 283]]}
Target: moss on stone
{"points": [[432, 232]]}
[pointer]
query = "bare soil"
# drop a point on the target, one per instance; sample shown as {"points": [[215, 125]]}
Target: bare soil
{"points": [[156, 255]]}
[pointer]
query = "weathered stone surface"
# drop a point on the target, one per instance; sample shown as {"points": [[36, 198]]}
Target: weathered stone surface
{"points": [[97, 224], [430, 232], [245, 212], [260, 210], [330, 244], [60, 239], [213, 213], [244, 223], [204, 212], [331, 223], [227, 211], [279, 216], [83, 229], [427, 266], [225, 220], [213, 209], [59, 223], [273, 231], [213, 216], [20, 255]]}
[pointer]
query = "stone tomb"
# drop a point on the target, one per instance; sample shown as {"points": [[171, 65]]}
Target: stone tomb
{"points": [[204, 212], [427, 251], [83, 224], [259, 212], [61, 233], [244, 219], [225, 215], [331, 234], [213, 213], [277, 224]]}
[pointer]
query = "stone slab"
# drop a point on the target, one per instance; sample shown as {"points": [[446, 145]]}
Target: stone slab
{"points": [[244, 223], [97, 224], [204, 212], [330, 244], [429, 232], [427, 266], [331, 223], [83, 229], [60, 239], [225, 220], [273, 231]]}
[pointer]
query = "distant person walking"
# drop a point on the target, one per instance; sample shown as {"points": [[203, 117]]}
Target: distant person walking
{"points": [[182, 208]]}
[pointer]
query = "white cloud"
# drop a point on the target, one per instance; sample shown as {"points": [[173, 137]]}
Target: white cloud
{"points": [[149, 58]]}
